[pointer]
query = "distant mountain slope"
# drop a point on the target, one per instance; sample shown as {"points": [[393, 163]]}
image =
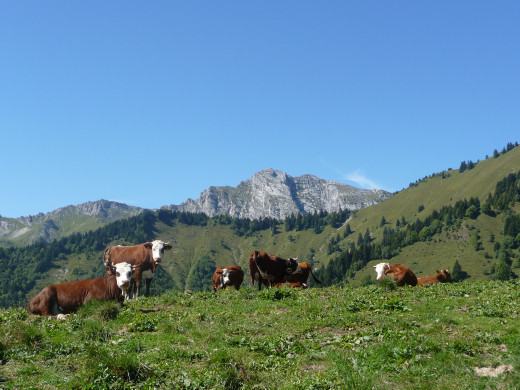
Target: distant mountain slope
{"points": [[63, 221], [275, 194], [454, 242]]}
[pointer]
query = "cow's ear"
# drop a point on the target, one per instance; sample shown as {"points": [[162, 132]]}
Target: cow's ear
{"points": [[438, 271], [167, 246], [111, 270], [148, 245]]}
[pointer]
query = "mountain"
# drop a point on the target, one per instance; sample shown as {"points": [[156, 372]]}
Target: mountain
{"points": [[63, 221], [269, 193], [275, 194]]}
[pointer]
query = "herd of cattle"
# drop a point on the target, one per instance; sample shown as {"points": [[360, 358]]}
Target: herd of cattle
{"points": [[126, 266]]}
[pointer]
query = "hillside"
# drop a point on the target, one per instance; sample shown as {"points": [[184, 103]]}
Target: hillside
{"points": [[439, 225], [454, 243], [463, 335], [62, 222]]}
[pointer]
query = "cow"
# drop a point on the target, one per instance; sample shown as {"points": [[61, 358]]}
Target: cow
{"points": [[271, 268], [59, 300], [227, 276], [441, 277], [402, 274], [147, 255], [292, 285], [302, 274]]}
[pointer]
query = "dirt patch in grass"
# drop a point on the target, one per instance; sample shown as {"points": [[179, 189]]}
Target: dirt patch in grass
{"points": [[493, 371]]}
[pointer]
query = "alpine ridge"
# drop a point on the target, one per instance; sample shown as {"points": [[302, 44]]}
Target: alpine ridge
{"points": [[275, 194]]}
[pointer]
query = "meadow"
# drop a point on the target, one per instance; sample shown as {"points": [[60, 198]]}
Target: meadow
{"points": [[449, 336]]}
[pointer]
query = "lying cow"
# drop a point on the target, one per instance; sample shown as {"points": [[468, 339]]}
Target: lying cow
{"points": [[402, 274], [227, 276], [271, 268], [147, 256], [302, 274], [441, 277], [64, 298], [291, 285]]}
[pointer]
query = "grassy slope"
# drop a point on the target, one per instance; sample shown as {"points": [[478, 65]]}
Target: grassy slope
{"points": [[433, 194], [368, 337]]}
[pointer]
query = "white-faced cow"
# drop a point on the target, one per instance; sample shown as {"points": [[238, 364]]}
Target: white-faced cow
{"points": [[227, 276], [64, 298], [271, 269], [442, 276], [402, 274], [147, 256]]}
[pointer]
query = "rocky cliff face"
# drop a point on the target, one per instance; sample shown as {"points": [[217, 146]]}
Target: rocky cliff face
{"points": [[272, 193]]}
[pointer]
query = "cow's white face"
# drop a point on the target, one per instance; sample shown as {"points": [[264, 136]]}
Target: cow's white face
{"points": [[380, 270], [158, 248], [225, 276], [123, 275]]}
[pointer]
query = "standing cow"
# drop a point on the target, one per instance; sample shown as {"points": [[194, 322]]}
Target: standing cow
{"points": [[147, 256], [64, 298], [271, 269], [402, 274], [227, 276]]}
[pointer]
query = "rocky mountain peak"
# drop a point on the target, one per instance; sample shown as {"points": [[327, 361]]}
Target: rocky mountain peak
{"points": [[275, 194]]}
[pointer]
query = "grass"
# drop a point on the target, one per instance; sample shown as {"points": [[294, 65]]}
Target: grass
{"points": [[374, 337]]}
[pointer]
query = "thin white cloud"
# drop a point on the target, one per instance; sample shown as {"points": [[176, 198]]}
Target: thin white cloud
{"points": [[361, 180]]}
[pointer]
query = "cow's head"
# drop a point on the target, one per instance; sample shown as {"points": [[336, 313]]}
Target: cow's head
{"points": [[292, 264], [123, 272], [447, 276], [158, 247], [380, 270], [225, 277]]}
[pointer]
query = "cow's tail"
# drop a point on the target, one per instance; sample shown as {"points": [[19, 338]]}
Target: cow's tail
{"points": [[314, 277]]}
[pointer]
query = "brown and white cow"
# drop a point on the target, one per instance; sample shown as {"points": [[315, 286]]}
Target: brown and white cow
{"points": [[224, 276], [147, 255], [271, 268], [442, 276], [302, 274], [61, 299], [402, 274]]}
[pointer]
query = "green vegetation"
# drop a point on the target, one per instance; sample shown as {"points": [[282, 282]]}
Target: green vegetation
{"points": [[444, 336], [468, 219]]}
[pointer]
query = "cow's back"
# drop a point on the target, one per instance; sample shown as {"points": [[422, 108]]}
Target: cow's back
{"points": [[402, 275], [69, 296]]}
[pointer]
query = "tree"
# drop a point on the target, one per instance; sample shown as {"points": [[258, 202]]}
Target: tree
{"points": [[502, 271], [383, 221], [463, 166], [457, 274], [201, 274]]}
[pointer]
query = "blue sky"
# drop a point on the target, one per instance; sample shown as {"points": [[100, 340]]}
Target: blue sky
{"points": [[150, 103]]}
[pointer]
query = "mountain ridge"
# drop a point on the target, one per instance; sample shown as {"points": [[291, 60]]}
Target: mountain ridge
{"points": [[269, 193], [275, 194]]}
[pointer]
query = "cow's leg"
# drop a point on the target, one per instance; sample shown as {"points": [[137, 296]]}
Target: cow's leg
{"points": [[148, 281]]}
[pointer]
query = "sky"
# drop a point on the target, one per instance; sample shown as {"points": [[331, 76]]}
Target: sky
{"points": [[150, 103]]}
